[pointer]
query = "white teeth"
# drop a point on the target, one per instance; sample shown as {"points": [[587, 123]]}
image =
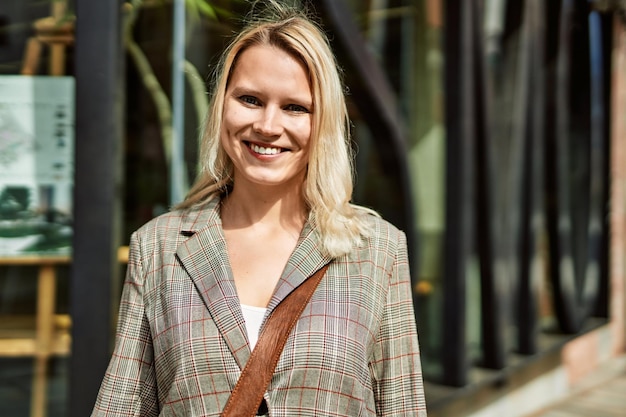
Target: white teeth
{"points": [[264, 151]]}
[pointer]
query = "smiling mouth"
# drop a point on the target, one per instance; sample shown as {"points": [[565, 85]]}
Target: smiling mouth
{"points": [[264, 150]]}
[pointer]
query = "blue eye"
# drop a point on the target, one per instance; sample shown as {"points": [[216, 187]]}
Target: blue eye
{"points": [[249, 100], [296, 108]]}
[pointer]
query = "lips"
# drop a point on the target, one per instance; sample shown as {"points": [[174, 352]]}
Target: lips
{"points": [[264, 150]]}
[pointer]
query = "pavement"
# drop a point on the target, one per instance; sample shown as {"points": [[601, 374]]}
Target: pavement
{"points": [[602, 394]]}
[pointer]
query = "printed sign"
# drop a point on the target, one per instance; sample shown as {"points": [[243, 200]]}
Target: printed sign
{"points": [[36, 165]]}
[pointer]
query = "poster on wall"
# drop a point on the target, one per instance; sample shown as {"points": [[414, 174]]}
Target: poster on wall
{"points": [[36, 165]]}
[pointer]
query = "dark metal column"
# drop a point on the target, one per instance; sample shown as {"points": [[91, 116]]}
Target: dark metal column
{"points": [[577, 146], [459, 234], [532, 204], [495, 225], [99, 105]]}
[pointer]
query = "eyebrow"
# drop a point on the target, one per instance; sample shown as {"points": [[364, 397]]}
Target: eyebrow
{"points": [[237, 91]]}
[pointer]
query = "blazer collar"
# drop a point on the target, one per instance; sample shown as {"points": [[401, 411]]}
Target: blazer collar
{"points": [[204, 255]]}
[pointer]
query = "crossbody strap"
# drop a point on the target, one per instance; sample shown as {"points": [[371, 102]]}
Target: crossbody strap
{"points": [[256, 375]]}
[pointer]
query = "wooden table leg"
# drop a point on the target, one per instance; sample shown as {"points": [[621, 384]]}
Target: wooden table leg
{"points": [[46, 298], [57, 50]]}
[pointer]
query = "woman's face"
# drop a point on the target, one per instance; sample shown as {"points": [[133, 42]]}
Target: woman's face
{"points": [[266, 127]]}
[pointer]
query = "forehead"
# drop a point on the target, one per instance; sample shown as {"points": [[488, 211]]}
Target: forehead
{"points": [[270, 66]]}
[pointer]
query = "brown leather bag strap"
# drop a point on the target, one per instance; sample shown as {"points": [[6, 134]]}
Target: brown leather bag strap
{"points": [[256, 375]]}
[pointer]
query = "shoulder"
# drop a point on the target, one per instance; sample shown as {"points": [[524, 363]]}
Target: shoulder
{"points": [[379, 233], [379, 227], [156, 242], [172, 220], [180, 220], [163, 227], [164, 233]]}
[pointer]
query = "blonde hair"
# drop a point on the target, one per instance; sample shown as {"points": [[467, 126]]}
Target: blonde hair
{"points": [[328, 185]]}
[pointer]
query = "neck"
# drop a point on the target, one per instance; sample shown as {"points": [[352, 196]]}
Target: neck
{"points": [[249, 205]]}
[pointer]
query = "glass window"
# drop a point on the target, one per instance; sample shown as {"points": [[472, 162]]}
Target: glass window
{"points": [[36, 177]]}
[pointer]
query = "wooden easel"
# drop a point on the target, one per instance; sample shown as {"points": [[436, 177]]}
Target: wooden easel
{"points": [[45, 335], [51, 334], [56, 34]]}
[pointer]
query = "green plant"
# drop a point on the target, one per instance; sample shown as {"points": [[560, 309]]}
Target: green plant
{"points": [[196, 10]]}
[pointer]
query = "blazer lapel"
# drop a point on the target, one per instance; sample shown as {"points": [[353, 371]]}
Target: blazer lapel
{"points": [[205, 257], [304, 261]]}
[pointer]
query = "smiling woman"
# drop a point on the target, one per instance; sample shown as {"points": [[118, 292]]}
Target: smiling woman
{"points": [[270, 209], [328, 189]]}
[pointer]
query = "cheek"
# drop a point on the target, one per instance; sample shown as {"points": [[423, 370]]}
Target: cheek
{"points": [[227, 140], [304, 130], [233, 118], [227, 121]]}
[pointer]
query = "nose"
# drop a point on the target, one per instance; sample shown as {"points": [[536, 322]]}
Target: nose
{"points": [[269, 122]]}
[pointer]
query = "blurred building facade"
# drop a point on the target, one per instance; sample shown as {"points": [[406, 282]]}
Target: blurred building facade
{"points": [[490, 131]]}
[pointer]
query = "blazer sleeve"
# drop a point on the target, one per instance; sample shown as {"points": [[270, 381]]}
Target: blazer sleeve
{"points": [[129, 385], [398, 385]]}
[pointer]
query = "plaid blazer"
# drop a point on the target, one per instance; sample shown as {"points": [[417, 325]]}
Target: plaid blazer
{"points": [[181, 340]]}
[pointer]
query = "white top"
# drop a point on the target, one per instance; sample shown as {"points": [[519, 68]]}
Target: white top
{"points": [[253, 317]]}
